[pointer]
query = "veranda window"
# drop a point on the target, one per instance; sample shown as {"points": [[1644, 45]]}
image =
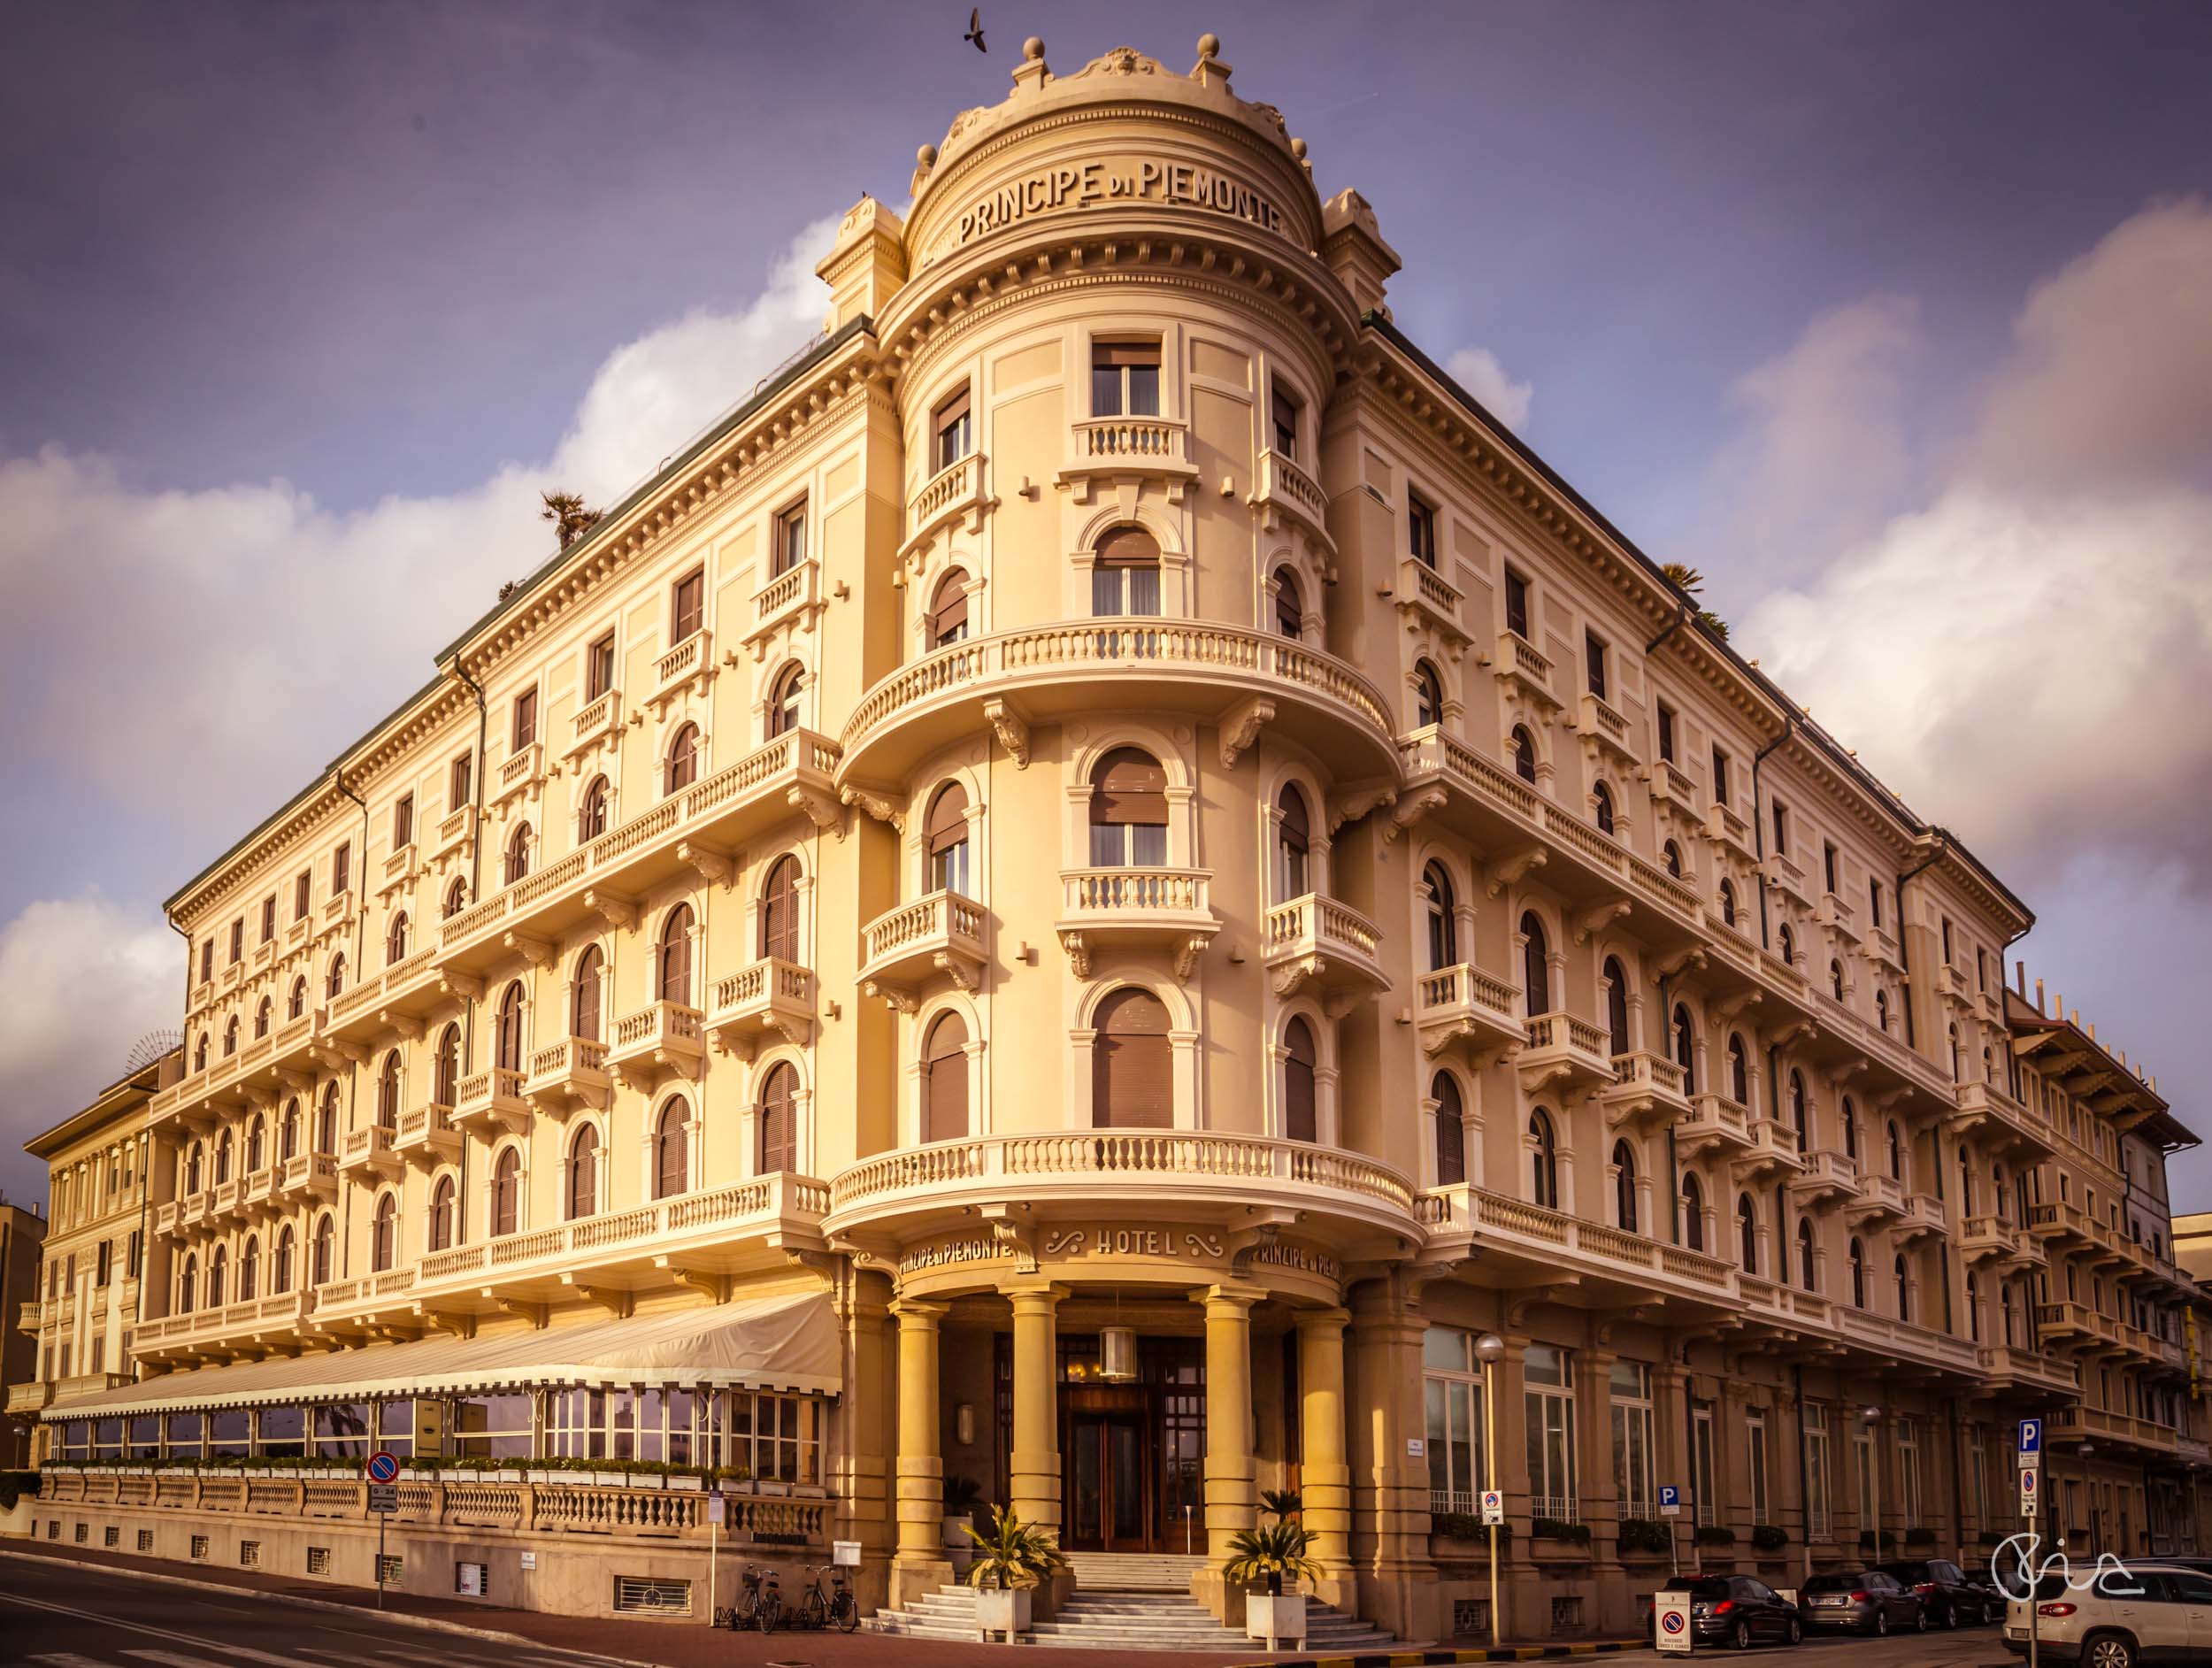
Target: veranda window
{"points": [[1549, 1414], [1452, 1383]]}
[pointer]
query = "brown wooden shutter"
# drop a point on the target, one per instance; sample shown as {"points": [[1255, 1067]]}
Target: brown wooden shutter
{"points": [[947, 823], [510, 1039], [1535, 968], [1451, 1134], [780, 912], [1121, 353], [948, 615], [583, 1164], [1128, 786], [504, 1187], [683, 758], [670, 1179], [953, 409], [1132, 1073], [945, 1086], [1296, 830], [1128, 547], [1289, 618], [688, 611], [1301, 1121], [585, 1024], [776, 1116], [676, 957]]}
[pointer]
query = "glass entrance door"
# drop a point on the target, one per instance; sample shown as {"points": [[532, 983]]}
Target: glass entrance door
{"points": [[1110, 1477]]}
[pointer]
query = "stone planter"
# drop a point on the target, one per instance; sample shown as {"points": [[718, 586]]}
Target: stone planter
{"points": [[775, 1490], [1278, 1619], [686, 1485], [540, 1475], [959, 1545], [510, 1476], [1001, 1610], [611, 1479]]}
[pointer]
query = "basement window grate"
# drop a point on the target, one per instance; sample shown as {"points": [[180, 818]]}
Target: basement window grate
{"points": [[199, 1548], [655, 1596], [250, 1553], [145, 1540], [318, 1560]]}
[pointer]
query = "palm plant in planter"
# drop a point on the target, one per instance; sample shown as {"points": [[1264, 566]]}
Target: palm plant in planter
{"points": [[1273, 1554], [1011, 1559]]}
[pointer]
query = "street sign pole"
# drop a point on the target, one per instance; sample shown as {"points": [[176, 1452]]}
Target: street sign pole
{"points": [[1490, 1453]]}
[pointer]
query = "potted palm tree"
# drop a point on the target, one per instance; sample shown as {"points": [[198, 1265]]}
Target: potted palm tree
{"points": [[1010, 1560], [1270, 1555]]}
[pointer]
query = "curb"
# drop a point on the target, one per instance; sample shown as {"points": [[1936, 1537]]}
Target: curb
{"points": [[1442, 1659]]}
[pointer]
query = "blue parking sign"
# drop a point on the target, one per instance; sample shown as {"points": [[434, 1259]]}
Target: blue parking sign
{"points": [[2030, 1437], [1670, 1500]]}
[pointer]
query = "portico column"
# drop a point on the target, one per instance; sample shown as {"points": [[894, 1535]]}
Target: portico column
{"points": [[1324, 1475], [1230, 1490], [919, 1564], [1033, 1464]]}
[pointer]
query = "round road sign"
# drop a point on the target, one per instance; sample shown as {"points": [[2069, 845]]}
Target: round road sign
{"points": [[382, 1466], [1671, 1621]]}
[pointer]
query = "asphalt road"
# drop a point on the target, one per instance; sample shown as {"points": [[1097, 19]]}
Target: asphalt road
{"points": [[58, 1616], [1968, 1648]]}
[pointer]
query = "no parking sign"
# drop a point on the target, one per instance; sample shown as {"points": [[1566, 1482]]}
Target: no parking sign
{"points": [[2029, 1490], [1671, 1636], [383, 1466]]}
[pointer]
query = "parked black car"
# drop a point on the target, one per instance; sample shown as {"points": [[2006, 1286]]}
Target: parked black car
{"points": [[1860, 1602], [1735, 1609], [1949, 1598]]}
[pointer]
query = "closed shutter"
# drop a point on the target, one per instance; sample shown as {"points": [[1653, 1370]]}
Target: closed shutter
{"points": [[510, 1039], [945, 1082], [505, 1188], [669, 1159], [947, 818], [1617, 1006], [1128, 786], [1535, 968], [676, 957], [1299, 1122], [689, 609], [586, 1023], [1128, 547], [1289, 618], [1131, 1077], [1451, 1134], [948, 615], [683, 758], [777, 1115], [780, 912], [583, 1174]]}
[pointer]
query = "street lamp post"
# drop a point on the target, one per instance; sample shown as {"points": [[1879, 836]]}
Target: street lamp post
{"points": [[1871, 1418], [1490, 1349]]}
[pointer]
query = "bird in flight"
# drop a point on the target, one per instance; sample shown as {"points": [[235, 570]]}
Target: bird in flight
{"points": [[975, 28]]}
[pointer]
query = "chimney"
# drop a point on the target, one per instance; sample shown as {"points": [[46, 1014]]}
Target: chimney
{"points": [[867, 264]]}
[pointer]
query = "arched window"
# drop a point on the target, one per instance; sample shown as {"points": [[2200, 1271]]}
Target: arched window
{"points": [[1693, 1212], [322, 1251], [1617, 1005], [1989, 1065], [1443, 914], [949, 611], [583, 1174], [779, 911], [779, 1120], [1904, 1289], [218, 1283], [1728, 902], [1974, 1307], [257, 1144], [387, 1091], [1625, 1186], [1535, 966], [199, 1054], [1290, 618], [222, 1158], [1686, 1048], [1800, 1110], [261, 1014], [457, 898], [1293, 866], [1746, 1235], [1428, 695], [192, 1169], [1524, 749], [1132, 1083], [280, 1263], [1126, 573], [1128, 810], [395, 940], [326, 1120], [1601, 807], [1451, 1131], [671, 1150], [249, 1269], [2000, 1200], [1896, 1152], [783, 701], [1850, 1130], [384, 1234], [1671, 854], [230, 1037], [1786, 941], [591, 811], [1806, 1262], [288, 1131], [1739, 1070], [945, 1079], [587, 998], [1881, 1009], [446, 1087], [946, 831], [298, 1005], [1835, 980], [187, 1285], [507, 1033], [1543, 1148], [336, 981], [673, 976], [682, 766], [507, 1193], [441, 1215], [1300, 1057], [518, 853]]}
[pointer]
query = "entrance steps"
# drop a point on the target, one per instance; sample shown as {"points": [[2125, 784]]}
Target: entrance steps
{"points": [[1142, 1618], [1134, 1571]]}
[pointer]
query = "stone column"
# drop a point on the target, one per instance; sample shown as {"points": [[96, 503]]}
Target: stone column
{"points": [[1230, 1490], [1034, 1463], [861, 1472], [1390, 1488], [1324, 1477], [919, 1564]]}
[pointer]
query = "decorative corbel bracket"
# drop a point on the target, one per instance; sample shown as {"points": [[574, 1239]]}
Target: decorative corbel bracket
{"points": [[407, 1027], [1596, 920], [1508, 870], [538, 952], [878, 807], [1242, 726], [1012, 729], [1079, 953], [1358, 802], [614, 907], [896, 998], [711, 865], [467, 986], [1411, 810], [821, 811]]}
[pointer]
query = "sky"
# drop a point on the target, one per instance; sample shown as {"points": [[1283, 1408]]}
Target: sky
{"points": [[1894, 321]]}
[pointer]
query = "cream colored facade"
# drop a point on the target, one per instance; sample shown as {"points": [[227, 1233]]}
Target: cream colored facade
{"points": [[1113, 602]]}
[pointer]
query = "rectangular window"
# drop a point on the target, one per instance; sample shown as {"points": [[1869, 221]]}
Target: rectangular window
{"points": [[1816, 1472], [1755, 1462], [1593, 660], [1863, 1460], [1452, 1386], [1285, 409], [268, 918], [1981, 968], [1874, 900], [1781, 829], [687, 614], [342, 868], [1704, 1503], [525, 725], [131, 1268], [462, 782], [953, 429], [1548, 1413], [403, 823], [207, 959], [303, 893], [1720, 775], [105, 1262], [1124, 378], [1516, 604], [790, 549], [1631, 1440], [1421, 530], [1908, 1474], [599, 664], [777, 1438], [1828, 865], [237, 941], [1946, 942], [1666, 733]]}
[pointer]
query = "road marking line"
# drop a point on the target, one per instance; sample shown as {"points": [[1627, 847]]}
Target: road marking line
{"points": [[67, 1659], [174, 1659], [250, 1654]]}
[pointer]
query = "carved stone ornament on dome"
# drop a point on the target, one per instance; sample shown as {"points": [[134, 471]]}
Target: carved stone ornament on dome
{"points": [[1122, 60]]}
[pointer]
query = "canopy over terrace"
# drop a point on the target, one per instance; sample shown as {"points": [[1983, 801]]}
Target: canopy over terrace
{"points": [[781, 1343]]}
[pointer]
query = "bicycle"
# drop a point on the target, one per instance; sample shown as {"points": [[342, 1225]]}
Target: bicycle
{"points": [[770, 1609], [832, 1609], [741, 1615]]}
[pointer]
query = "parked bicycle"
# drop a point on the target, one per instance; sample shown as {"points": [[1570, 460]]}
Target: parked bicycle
{"points": [[833, 1608], [770, 1612], [743, 1613]]}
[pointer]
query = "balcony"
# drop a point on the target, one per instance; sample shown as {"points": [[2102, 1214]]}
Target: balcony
{"points": [[1605, 1264], [1239, 680], [1991, 1239], [1521, 667], [489, 1102], [1315, 941], [520, 774], [2062, 1225], [426, 1134], [2007, 1366], [952, 497], [2066, 1322], [1826, 1176], [1773, 1150], [1169, 1175], [597, 723], [661, 1039], [307, 1175], [771, 997], [1286, 496], [1136, 907], [1724, 828], [566, 1074], [369, 1150], [452, 837], [1564, 1054], [685, 668], [1123, 448], [337, 913], [29, 1398], [1672, 791], [1923, 1216], [1881, 1198], [904, 948], [1987, 1111], [253, 1328], [400, 868], [257, 1192], [26, 1317], [691, 830], [1426, 598], [1836, 916], [1602, 726], [2094, 1424], [1715, 1124], [792, 595], [1891, 1342], [1647, 1090], [1462, 1005], [405, 990]]}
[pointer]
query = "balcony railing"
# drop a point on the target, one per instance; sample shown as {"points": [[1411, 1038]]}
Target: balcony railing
{"points": [[939, 933], [1285, 490], [1555, 1239], [770, 994], [1107, 445], [792, 593], [368, 1148], [1462, 1003], [1430, 596], [663, 1036], [1645, 1084], [1827, 1175], [685, 666], [1136, 905], [571, 1071], [308, 1173], [426, 1133], [953, 493], [1317, 940], [490, 1100], [1565, 1049]]}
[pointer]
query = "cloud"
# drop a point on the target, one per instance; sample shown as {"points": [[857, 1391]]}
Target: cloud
{"points": [[1477, 371], [80, 980]]}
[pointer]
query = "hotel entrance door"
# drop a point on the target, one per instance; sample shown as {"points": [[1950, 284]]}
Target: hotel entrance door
{"points": [[1109, 1471]]}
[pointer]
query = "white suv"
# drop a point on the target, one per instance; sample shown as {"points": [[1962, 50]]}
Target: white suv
{"points": [[2141, 1613]]}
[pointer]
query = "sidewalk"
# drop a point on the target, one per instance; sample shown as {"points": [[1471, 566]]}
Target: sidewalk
{"points": [[692, 1644]]}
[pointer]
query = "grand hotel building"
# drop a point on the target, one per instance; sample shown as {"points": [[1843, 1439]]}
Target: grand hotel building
{"points": [[1081, 895]]}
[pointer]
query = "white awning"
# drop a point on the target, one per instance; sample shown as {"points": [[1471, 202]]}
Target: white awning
{"points": [[776, 1344]]}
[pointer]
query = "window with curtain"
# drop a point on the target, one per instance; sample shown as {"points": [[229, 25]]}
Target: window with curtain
{"points": [[945, 832], [1125, 575], [1128, 814], [949, 611], [1124, 378]]}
